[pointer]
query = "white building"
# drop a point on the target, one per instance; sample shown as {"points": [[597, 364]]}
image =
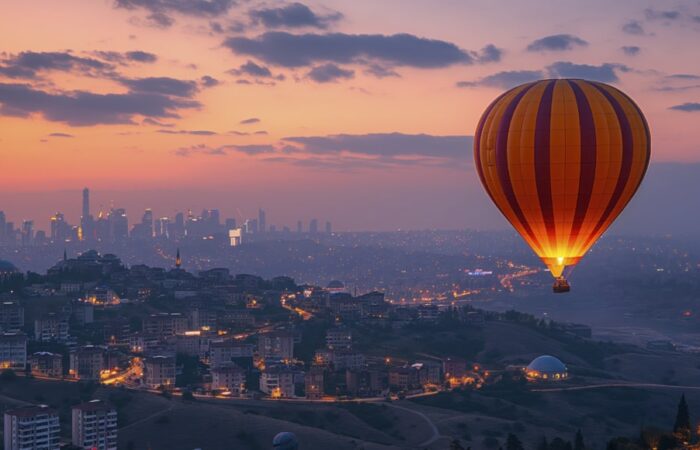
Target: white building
{"points": [[95, 426], [276, 344], [339, 337], [46, 364], [221, 353], [278, 382], [51, 328], [13, 350], [159, 371], [32, 428], [86, 363], [230, 378]]}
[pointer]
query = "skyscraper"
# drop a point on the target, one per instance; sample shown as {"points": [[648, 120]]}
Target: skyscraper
{"points": [[27, 232], [329, 229], [262, 225], [313, 226], [87, 224], [86, 203], [3, 226], [299, 227]]}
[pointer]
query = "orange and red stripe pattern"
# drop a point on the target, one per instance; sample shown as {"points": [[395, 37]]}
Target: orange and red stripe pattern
{"points": [[561, 159]]}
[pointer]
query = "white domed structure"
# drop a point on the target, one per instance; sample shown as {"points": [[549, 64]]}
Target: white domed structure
{"points": [[546, 368], [285, 441]]}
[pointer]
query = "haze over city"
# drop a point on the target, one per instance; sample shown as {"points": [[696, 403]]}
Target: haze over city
{"points": [[177, 105], [366, 225]]}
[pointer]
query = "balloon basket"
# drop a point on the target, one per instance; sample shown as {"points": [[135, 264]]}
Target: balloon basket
{"points": [[561, 285]]}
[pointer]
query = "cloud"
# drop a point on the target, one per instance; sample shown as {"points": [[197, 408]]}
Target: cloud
{"points": [[250, 121], [81, 108], [687, 107], [141, 56], [202, 149], [633, 27], [505, 79], [161, 85], [138, 56], [329, 73], [208, 81], [150, 121], [490, 53], [29, 64], [683, 76], [379, 71], [293, 15], [297, 50], [387, 144], [255, 70], [630, 50], [61, 135], [191, 132], [652, 14], [556, 42], [160, 9], [604, 73]]}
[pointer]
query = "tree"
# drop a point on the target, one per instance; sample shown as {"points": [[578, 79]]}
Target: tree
{"points": [[578, 441], [513, 443], [543, 445], [682, 426]]}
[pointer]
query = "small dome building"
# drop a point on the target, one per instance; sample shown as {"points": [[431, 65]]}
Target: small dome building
{"points": [[285, 441], [546, 368]]}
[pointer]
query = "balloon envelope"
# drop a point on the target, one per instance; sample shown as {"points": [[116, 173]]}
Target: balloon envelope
{"points": [[561, 159]]}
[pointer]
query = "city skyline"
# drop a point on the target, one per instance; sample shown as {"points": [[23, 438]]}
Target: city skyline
{"points": [[113, 224], [228, 116]]}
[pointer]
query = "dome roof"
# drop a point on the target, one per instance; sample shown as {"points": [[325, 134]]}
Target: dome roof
{"points": [[335, 284], [285, 441], [7, 266], [547, 364]]}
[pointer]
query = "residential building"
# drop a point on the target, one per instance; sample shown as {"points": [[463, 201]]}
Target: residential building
{"points": [[95, 426], [159, 371], [222, 353], [229, 378], [46, 364], [11, 316], [278, 382], [51, 328], [87, 363], [276, 344], [13, 350], [32, 428]]}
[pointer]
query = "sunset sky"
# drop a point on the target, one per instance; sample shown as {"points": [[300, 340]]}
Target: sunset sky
{"points": [[360, 112]]}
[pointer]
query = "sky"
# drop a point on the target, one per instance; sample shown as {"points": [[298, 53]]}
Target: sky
{"points": [[359, 112]]}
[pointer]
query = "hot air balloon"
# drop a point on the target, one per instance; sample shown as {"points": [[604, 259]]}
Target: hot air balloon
{"points": [[561, 159]]}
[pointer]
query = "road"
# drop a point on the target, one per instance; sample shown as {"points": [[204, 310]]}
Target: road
{"points": [[617, 385], [436, 433]]}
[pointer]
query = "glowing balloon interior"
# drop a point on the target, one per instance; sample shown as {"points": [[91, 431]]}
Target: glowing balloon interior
{"points": [[561, 159]]}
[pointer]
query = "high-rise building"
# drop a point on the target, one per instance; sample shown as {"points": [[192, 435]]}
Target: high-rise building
{"points": [[300, 227], [262, 222], [276, 344], [162, 227], [32, 427], [313, 226], [329, 230], [27, 232], [3, 227], [60, 229], [251, 226], [230, 224], [118, 224], [94, 426], [159, 371], [86, 203], [87, 224]]}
